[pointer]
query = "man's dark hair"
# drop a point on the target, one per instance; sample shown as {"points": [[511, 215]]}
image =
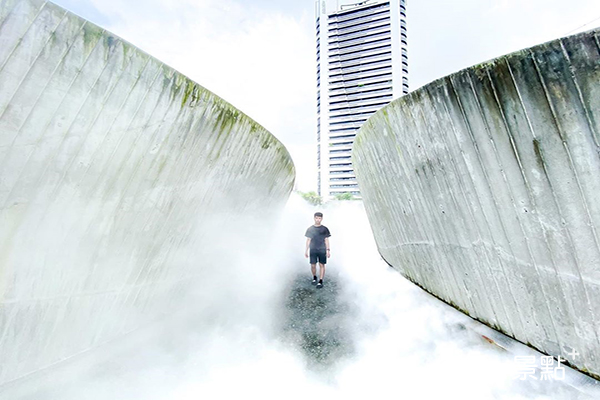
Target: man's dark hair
{"points": [[319, 214]]}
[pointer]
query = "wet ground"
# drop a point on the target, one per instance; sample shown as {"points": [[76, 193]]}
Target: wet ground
{"points": [[318, 322], [321, 324]]}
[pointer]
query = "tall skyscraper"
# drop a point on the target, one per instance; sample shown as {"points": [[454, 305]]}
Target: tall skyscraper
{"points": [[362, 64]]}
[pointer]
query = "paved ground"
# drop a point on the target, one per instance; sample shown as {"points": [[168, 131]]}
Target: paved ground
{"points": [[318, 322]]}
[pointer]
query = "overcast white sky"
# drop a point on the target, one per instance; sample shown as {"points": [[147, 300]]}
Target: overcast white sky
{"points": [[260, 54]]}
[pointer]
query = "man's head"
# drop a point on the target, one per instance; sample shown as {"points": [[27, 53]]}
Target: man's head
{"points": [[318, 218]]}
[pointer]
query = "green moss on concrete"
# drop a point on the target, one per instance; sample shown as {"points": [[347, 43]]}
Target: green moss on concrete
{"points": [[268, 142], [481, 70], [191, 93], [538, 153], [166, 81], [161, 166], [178, 83], [126, 50], [584, 370], [290, 168], [227, 116], [91, 36], [226, 119], [53, 38]]}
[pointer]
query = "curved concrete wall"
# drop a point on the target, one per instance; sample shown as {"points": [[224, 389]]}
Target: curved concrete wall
{"points": [[483, 187], [113, 168]]}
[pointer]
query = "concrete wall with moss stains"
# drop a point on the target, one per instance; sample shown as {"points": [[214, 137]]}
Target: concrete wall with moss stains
{"points": [[112, 164], [483, 188]]}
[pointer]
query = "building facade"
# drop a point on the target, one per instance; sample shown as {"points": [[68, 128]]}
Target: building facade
{"points": [[362, 64]]}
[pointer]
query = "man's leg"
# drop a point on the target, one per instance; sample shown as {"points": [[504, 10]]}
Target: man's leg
{"points": [[322, 261], [313, 266], [321, 271]]}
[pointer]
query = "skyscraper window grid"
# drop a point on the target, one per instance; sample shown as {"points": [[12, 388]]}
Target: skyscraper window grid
{"points": [[362, 64]]}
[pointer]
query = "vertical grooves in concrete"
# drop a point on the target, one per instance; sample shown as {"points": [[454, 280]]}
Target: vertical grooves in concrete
{"points": [[459, 286], [469, 214], [19, 37], [41, 93], [486, 183], [543, 231], [120, 179], [573, 308], [569, 156], [551, 348], [58, 149], [473, 212], [6, 7], [445, 276], [489, 167], [577, 86], [32, 65], [501, 163]]}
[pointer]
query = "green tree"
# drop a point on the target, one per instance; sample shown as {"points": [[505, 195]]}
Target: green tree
{"points": [[312, 197], [344, 196]]}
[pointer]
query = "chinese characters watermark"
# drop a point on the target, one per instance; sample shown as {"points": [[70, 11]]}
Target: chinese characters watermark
{"points": [[549, 369]]}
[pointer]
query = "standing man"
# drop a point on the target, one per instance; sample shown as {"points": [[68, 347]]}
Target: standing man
{"points": [[317, 246]]}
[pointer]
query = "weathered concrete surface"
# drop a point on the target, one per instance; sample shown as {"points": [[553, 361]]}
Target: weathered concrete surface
{"points": [[482, 187], [115, 173]]}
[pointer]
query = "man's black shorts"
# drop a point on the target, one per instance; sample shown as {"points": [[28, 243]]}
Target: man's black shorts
{"points": [[319, 255]]}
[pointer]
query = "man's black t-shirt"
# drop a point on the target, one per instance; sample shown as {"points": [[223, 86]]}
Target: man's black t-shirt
{"points": [[317, 235]]}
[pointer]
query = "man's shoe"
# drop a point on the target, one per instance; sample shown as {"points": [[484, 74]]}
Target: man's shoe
{"points": [[314, 281], [320, 285]]}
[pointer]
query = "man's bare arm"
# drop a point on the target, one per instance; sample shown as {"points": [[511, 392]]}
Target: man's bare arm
{"points": [[307, 246], [327, 246]]}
